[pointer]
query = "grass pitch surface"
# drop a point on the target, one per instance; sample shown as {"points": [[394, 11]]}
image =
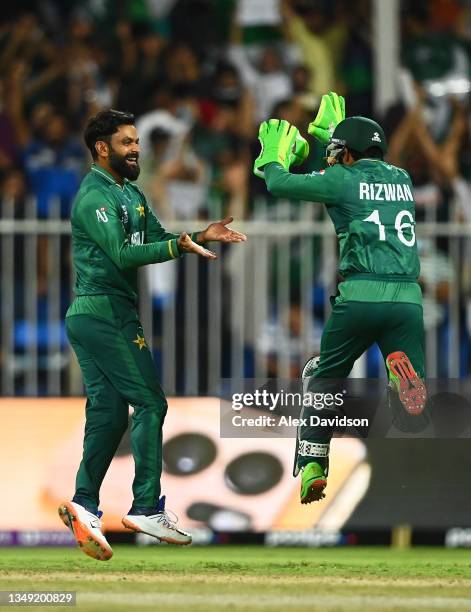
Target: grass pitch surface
{"points": [[246, 578]]}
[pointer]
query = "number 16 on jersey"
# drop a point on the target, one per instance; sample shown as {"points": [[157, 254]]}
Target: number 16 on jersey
{"points": [[404, 221]]}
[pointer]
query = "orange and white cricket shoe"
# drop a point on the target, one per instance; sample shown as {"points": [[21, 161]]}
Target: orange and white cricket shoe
{"points": [[405, 380], [158, 524], [86, 528]]}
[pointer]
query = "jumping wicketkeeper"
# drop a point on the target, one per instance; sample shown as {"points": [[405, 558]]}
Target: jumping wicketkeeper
{"points": [[371, 205]]}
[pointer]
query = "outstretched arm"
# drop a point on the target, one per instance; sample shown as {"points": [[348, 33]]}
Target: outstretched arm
{"points": [[215, 232], [324, 186]]}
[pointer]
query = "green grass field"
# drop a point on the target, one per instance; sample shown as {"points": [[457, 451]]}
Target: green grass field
{"points": [[247, 578]]}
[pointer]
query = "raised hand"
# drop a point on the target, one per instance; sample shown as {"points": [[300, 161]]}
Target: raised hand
{"points": [[280, 142], [331, 112]]}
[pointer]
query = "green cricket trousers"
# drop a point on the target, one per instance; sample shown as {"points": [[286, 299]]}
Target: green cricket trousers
{"points": [[351, 329], [118, 371]]}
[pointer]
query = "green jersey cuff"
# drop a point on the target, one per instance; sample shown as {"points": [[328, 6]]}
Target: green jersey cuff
{"points": [[173, 248], [194, 236]]}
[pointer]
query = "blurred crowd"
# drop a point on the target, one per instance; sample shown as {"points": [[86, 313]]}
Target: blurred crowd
{"points": [[200, 75]]}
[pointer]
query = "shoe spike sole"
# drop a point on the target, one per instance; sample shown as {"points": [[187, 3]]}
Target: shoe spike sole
{"points": [[315, 492], [84, 538], [412, 391]]}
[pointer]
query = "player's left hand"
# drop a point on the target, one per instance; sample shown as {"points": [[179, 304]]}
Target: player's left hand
{"points": [[219, 232], [331, 112], [186, 244], [282, 143]]}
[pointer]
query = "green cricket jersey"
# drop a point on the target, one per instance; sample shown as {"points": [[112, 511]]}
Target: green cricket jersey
{"points": [[372, 207], [114, 231]]}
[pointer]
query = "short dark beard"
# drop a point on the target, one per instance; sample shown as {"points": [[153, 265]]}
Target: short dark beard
{"points": [[120, 166]]}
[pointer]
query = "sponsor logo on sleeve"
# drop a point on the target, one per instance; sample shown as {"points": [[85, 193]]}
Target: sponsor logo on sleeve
{"points": [[101, 214]]}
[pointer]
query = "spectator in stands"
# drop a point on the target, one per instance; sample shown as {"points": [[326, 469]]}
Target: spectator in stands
{"points": [[141, 64], [269, 82], [222, 137], [434, 167], [89, 83], [54, 165], [300, 77], [306, 28], [8, 144], [174, 177], [228, 154], [181, 66], [164, 116], [13, 194], [256, 22]]}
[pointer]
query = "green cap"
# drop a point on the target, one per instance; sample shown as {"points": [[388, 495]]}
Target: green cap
{"points": [[359, 134]]}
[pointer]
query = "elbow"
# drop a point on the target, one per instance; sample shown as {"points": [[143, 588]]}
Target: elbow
{"points": [[275, 189], [271, 185], [123, 259], [124, 266], [121, 265], [275, 180]]}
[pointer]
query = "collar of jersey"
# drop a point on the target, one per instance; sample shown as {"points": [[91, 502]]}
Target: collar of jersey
{"points": [[106, 175], [368, 159]]}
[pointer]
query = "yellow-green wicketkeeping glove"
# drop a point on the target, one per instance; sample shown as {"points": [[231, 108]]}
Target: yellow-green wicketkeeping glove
{"points": [[281, 142], [331, 113]]}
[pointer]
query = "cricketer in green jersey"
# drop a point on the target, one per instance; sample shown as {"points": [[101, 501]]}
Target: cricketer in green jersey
{"points": [[114, 231], [371, 205]]}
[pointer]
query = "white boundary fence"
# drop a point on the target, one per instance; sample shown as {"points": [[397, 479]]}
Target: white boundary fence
{"points": [[256, 311]]}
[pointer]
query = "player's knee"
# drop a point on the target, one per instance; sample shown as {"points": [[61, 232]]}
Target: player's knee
{"points": [[156, 406]]}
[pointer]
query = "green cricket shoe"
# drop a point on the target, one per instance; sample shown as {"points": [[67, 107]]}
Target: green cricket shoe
{"points": [[313, 483]]}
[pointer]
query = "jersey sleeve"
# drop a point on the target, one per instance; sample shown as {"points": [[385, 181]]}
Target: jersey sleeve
{"points": [[325, 186], [99, 218]]}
